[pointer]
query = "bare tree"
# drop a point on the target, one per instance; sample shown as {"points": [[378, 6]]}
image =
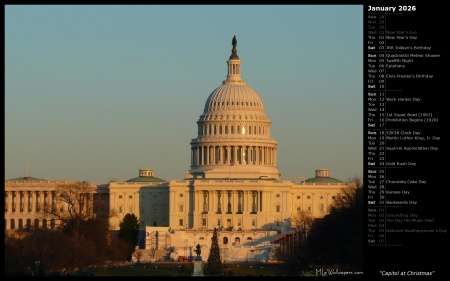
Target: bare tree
{"points": [[303, 221], [347, 199], [74, 205], [73, 208]]}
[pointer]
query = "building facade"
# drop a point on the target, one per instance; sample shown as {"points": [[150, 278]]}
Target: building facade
{"points": [[30, 201], [233, 184]]}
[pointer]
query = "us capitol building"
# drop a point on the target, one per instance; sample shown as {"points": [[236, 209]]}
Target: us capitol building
{"points": [[233, 184]]}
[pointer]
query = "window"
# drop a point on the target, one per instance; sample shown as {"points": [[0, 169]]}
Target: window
{"points": [[219, 222], [120, 210], [321, 208], [253, 222], [181, 208], [239, 222], [321, 197], [278, 195], [203, 221], [131, 196], [205, 200], [298, 197], [309, 197], [120, 196], [181, 222], [333, 197], [277, 208], [181, 194]]}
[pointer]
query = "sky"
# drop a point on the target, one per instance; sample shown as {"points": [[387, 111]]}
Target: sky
{"points": [[96, 92]]}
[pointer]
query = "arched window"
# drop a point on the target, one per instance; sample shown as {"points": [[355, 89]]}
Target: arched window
{"points": [[321, 208]]}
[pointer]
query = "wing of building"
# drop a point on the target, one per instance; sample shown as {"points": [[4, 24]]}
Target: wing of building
{"points": [[233, 184]]}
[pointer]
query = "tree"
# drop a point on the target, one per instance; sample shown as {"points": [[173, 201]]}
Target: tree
{"points": [[292, 245], [303, 222], [214, 262], [73, 208], [339, 236], [129, 229], [347, 199]]}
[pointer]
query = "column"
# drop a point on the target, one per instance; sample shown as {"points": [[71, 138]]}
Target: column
{"points": [[8, 195], [33, 201], [275, 157]]}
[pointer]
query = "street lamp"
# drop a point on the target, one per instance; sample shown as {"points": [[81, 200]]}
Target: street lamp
{"points": [[37, 267], [153, 254], [185, 247]]}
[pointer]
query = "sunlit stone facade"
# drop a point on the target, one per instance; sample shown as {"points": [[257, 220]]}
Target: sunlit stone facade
{"points": [[233, 184], [29, 200]]}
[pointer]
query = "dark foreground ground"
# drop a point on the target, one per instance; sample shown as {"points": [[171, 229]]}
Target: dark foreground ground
{"points": [[228, 269]]}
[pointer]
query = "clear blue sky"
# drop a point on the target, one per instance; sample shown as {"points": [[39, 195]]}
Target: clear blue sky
{"points": [[97, 92]]}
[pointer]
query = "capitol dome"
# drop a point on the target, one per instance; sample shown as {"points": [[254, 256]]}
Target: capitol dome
{"points": [[233, 138]]}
